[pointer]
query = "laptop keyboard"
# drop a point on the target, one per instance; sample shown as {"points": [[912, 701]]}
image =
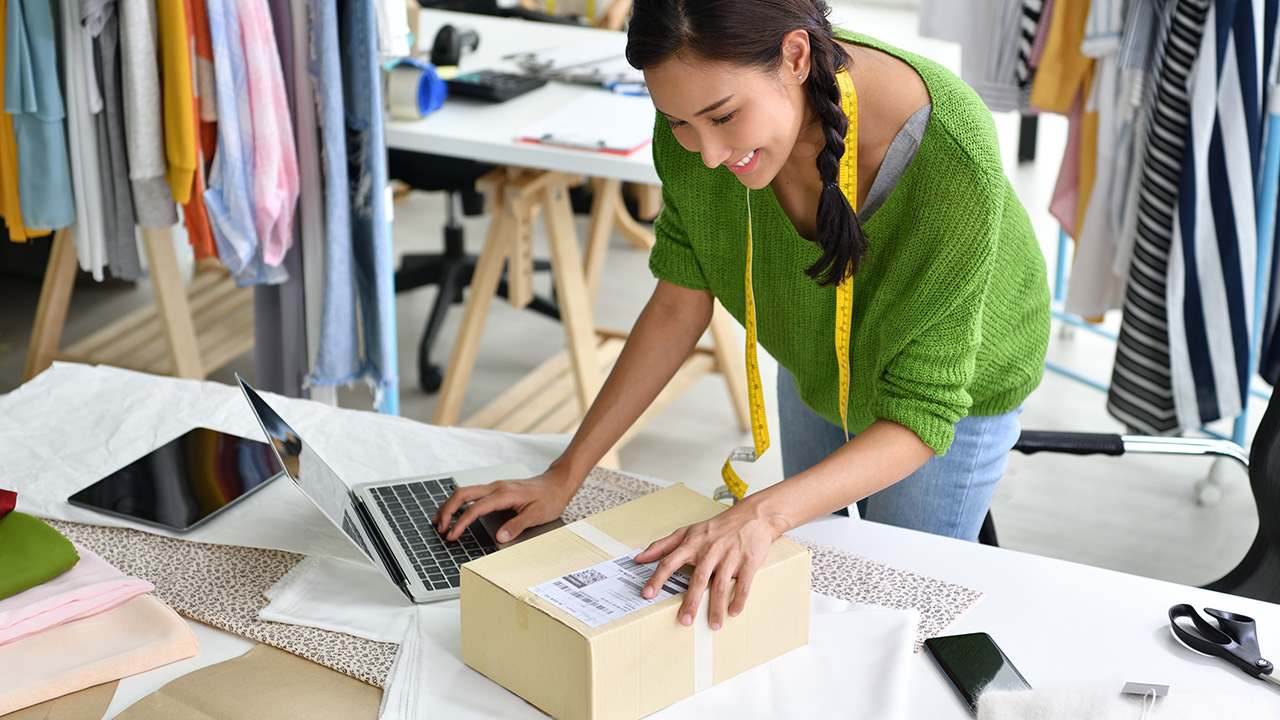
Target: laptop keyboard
{"points": [[409, 507]]}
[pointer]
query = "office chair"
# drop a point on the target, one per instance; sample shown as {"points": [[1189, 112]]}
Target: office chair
{"points": [[1258, 574], [451, 270]]}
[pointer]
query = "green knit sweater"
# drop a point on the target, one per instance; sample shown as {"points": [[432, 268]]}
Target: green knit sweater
{"points": [[950, 303]]}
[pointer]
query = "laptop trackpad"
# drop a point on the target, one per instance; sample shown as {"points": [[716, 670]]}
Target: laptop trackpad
{"points": [[495, 520]]}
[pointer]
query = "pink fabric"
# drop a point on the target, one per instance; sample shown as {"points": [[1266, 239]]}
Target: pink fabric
{"points": [[275, 158], [143, 634], [1066, 193], [1042, 34], [8, 501], [91, 586]]}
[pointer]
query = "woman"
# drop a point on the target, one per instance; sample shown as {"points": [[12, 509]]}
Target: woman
{"points": [[949, 315]]}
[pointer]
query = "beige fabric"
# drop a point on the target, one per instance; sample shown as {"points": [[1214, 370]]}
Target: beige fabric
{"points": [[88, 704], [264, 683], [138, 636]]}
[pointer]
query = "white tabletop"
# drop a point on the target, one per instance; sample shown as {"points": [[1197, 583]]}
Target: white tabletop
{"points": [[486, 132], [1059, 622]]}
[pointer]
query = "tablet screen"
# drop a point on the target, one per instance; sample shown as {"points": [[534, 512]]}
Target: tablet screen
{"points": [[185, 482]]}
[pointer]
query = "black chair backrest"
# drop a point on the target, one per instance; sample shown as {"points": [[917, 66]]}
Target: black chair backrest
{"points": [[1258, 575]]}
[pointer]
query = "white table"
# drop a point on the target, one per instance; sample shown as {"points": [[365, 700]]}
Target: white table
{"points": [[556, 395], [1060, 623]]}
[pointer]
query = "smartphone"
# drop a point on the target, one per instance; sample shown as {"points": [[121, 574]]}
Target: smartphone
{"points": [[973, 664]]}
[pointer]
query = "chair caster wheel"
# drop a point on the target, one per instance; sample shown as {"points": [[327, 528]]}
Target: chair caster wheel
{"points": [[430, 378]]}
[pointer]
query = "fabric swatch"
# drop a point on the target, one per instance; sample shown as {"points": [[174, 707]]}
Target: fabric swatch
{"points": [[31, 552], [138, 636], [90, 587], [263, 683]]}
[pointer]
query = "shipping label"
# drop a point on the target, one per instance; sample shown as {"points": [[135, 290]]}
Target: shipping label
{"points": [[609, 590]]}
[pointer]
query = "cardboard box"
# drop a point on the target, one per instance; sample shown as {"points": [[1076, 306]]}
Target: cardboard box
{"points": [[637, 663]]}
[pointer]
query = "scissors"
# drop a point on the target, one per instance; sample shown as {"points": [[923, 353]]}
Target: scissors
{"points": [[1234, 639]]}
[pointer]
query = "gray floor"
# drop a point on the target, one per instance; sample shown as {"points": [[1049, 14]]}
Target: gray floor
{"points": [[1132, 514]]}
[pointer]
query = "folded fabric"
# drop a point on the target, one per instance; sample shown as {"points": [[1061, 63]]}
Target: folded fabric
{"points": [[1072, 703], [138, 636], [265, 682], [342, 596], [91, 703], [8, 501], [91, 587], [860, 669], [31, 552]]}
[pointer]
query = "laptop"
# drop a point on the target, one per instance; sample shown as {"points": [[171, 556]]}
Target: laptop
{"points": [[390, 522]]}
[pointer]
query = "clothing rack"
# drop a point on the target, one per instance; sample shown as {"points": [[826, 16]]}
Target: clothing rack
{"points": [[187, 332], [1266, 208]]}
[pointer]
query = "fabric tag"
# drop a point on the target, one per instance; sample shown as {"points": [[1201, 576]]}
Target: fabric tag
{"points": [[1142, 689]]}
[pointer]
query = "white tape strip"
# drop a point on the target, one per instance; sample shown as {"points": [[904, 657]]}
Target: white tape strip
{"points": [[703, 637], [598, 538]]}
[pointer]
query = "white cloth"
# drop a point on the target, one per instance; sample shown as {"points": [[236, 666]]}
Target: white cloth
{"points": [[1066, 703], [864, 653], [83, 100], [122, 415]]}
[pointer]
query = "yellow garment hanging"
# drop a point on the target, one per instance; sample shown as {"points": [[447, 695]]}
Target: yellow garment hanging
{"points": [[179, 108], [10, 210]]}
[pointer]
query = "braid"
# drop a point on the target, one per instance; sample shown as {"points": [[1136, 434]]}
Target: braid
{"points": [[839, 233]]}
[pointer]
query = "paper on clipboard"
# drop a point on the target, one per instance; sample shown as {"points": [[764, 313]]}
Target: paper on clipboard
{"points": [[600, 121]]}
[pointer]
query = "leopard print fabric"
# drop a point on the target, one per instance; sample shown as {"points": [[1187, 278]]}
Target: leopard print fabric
{"points": [[223, 585]]}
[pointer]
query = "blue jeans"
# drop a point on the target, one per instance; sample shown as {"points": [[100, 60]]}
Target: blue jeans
{"points": [[949, 495]]}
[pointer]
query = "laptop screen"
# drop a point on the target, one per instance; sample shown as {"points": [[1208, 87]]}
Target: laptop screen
{"points": [[316, 479]]}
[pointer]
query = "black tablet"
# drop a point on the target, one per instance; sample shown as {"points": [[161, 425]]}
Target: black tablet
{"points": [[184, 483]]}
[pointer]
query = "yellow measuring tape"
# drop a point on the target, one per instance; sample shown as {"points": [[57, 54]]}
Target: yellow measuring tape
{"points": [[848, 181]]}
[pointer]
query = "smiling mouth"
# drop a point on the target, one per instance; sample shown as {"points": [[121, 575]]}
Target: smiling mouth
{"points": [[746, 159]]}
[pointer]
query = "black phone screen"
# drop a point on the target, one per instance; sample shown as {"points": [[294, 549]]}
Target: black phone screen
{"points": [[185, 482], [974, 663]]}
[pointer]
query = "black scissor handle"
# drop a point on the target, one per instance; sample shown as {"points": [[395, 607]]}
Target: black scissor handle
{"points": [[1234, 639]]}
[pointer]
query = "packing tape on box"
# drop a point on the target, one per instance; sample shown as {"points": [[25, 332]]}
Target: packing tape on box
{"points": [[414, 89], [703, 635], [598, 537]]}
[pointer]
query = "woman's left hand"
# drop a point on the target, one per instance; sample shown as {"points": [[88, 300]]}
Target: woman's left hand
{"points": [[730, 545]]}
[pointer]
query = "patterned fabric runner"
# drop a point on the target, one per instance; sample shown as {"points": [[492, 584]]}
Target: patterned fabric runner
{"points": [[223, 585]]}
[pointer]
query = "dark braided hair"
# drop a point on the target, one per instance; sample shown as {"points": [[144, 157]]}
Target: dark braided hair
{"points": [[750, 33]]}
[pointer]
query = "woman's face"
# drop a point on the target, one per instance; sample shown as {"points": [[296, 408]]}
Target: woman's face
{"points": [[740, 117]]}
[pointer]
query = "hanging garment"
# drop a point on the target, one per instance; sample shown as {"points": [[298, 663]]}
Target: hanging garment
{"points": [[229, 197], [338, 353], [1104, 28], [101, 20], [84, 103], [275, 160], [10, 206], [1061, 85], [33, 95], [1028, 27], [1269, 345], [1042, 34], [177, 97], [194, 214], [367, 175], [988, 32], [143, 118], [1213, 255], [1141, 393]]}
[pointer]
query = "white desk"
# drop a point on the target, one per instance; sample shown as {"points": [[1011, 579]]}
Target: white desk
{"points": [[1059, 622], [558, 392]]}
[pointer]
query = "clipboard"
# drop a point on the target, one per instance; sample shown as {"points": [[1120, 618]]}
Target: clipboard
{"points": [[597, 121]]}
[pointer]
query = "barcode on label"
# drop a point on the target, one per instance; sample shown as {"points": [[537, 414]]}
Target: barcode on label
{"points": [[583, 578], [632, 566], [584, 598]]}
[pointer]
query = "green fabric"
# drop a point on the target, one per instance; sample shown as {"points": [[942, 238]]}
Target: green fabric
{"points": [[951, 303], [31, 552]]}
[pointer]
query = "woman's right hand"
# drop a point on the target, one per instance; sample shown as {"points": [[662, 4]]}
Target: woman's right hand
{"points": [[535, 501]]}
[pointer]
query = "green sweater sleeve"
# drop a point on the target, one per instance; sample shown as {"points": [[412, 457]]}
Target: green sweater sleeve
{"points": [[672, 258], [932, 327]]}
